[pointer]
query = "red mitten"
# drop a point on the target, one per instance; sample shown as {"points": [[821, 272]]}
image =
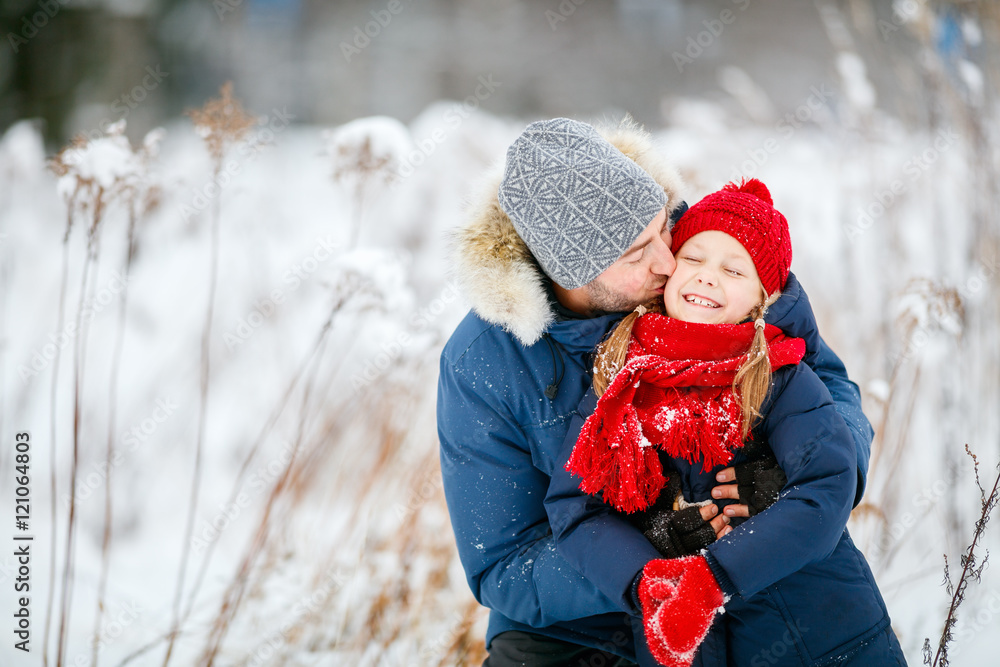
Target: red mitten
{"points": [[680, 598]]}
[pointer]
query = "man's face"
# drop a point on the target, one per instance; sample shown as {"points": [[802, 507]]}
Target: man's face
{"points": [[639, 275]]}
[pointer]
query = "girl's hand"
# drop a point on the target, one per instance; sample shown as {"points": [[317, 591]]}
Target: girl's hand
{"points": [[677, 533], [720, 523]]}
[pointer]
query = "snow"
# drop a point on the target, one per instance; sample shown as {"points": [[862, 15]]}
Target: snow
{"points": [[971, 31], [665, 417], [368, 515], [854, 75], [974, 80], [22, 154], [108, 163], [387, 140], [879, 389]]}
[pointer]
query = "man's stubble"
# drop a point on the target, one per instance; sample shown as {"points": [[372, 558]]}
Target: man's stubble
{"points": [[604, 298]]}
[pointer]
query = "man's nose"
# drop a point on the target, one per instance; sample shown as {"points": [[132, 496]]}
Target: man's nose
{"points": [[663, 260]]}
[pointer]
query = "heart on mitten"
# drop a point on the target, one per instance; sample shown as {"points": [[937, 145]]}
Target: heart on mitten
{"points": [[680, 598]]}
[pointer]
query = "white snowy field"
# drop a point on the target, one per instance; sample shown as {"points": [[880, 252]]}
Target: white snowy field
{"points": [[349, 559]]}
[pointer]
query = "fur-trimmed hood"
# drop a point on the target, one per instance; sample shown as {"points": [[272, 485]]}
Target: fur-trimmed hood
{"points": [[494, 267]]}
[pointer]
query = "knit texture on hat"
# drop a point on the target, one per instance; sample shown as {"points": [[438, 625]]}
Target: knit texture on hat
{"points": [[577, 201], [746, 213]]}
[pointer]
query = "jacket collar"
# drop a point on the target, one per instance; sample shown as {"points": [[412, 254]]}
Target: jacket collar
{"points": [[793, 314]]}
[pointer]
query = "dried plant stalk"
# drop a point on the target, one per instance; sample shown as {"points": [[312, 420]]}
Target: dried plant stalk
{"points": [[70, 206], [89, 181], [972, 568], [220, 123]]}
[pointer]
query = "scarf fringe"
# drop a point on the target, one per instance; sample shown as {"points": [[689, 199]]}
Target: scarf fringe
{"points": [[696, 428], [620, 463]]}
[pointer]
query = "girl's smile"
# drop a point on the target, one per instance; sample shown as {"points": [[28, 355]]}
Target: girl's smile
{"points": [[715, 281]]}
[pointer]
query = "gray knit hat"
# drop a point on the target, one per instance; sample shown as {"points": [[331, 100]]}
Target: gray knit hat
{"points": [[577, 201]]}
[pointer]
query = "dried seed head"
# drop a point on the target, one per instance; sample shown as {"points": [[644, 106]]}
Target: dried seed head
{"points": [[368, 151], [222, 122]]}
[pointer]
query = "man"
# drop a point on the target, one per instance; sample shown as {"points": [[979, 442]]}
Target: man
{"points": [[576, 233]]}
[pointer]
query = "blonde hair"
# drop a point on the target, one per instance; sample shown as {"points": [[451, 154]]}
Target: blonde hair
{"points": [[752, 381]]}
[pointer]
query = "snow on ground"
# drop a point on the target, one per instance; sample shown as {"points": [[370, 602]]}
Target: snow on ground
{"points": [[358, 566]]}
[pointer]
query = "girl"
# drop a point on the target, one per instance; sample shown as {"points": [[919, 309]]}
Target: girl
{"points": [[682, 388]]}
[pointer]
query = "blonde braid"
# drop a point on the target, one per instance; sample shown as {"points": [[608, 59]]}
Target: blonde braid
{"points": [[611, 353], [753, 379]]}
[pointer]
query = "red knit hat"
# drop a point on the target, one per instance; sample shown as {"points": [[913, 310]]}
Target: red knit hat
{"points": [[746, 213]]}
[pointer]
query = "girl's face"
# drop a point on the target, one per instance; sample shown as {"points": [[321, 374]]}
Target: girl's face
{"points": [[715, 281]]}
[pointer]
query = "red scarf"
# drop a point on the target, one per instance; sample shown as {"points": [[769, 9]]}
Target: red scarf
{"points": [[675, 392]]}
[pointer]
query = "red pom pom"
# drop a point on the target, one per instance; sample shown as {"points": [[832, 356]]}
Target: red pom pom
{"points": [[752, 186]]}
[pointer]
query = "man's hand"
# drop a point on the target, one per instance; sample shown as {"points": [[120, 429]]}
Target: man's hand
{"points": [[757, 484]]}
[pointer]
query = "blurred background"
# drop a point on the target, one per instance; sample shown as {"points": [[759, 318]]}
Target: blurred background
{"points": [[222, 328], [322, 62]]}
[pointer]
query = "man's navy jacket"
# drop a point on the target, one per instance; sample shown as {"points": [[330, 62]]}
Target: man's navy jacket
{"points": [[501, 439]]}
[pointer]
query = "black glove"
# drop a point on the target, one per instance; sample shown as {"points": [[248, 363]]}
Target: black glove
{"points": [[677, 533], [664, 503], [759, 482], [674, 533]]}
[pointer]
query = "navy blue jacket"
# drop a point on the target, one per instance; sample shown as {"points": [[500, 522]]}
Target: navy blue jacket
{"points": [[501, 441], [795, 577]]}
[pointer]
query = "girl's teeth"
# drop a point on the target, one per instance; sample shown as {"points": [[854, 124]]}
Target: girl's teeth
{"points": [[701, 302]]}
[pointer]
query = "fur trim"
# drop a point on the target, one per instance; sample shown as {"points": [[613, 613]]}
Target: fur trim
{"points": [[496, 271]]}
